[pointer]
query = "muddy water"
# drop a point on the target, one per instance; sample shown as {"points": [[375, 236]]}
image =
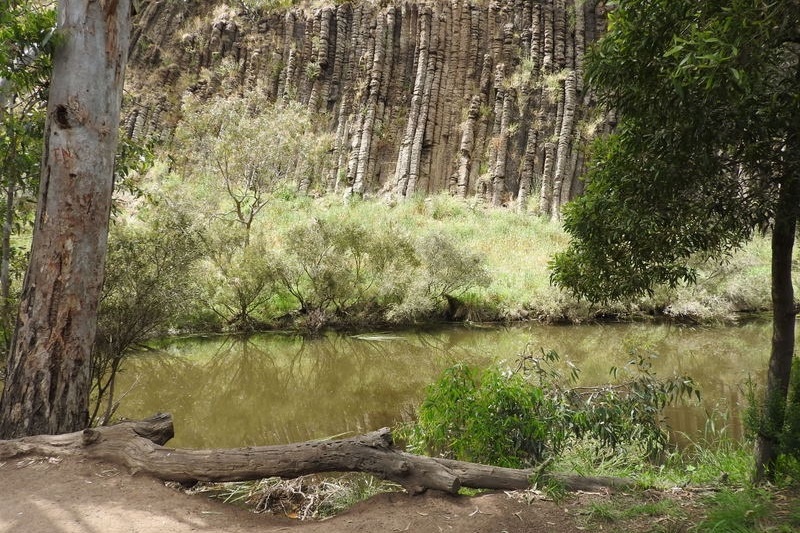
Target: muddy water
{"points": [[274, 388]]}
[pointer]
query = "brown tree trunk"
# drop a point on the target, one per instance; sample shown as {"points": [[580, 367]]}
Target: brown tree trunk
{"points": [[139, 446], [47, 381], [783, 327]]}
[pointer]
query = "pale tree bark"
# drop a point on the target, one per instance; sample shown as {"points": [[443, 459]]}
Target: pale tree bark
{"points": [[48, 377]]}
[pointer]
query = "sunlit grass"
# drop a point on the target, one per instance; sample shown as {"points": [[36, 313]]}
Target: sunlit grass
{"points": [[516, 250], [712, 459]]}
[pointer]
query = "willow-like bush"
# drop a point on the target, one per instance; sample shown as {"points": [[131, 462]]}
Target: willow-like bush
{"points": [[526, 415]]}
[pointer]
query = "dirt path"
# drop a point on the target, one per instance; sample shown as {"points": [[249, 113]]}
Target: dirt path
{"points": [[70, 495]]}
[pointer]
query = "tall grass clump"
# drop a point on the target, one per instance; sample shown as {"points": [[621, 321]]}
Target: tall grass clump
{"points": [[735, 511]]}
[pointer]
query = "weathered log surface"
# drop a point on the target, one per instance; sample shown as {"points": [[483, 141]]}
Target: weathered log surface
{"points": [[138, 445]]}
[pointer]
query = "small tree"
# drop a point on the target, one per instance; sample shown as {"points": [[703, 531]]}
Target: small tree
{"points": [[247, 149], [148, 283], [705, 152], [237, 275]]}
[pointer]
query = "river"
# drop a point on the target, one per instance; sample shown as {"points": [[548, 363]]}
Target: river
{"points": [[276, 388]]}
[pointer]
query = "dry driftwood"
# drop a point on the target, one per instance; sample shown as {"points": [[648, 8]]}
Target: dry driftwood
{"points": [[138, 445]]}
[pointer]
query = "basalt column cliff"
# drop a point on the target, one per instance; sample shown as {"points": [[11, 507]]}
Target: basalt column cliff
{"points": [[471, 97]]}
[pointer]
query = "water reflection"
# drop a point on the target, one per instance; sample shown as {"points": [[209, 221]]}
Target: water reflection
{"points": [[275, 388]]}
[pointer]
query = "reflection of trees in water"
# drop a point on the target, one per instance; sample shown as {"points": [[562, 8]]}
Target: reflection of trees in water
{"points": [[267, 389], [275, 388]]}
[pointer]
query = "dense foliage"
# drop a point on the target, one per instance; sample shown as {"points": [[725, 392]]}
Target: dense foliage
{"points": [[526, 415], [148, 287], [26, 45], [707, 97]]}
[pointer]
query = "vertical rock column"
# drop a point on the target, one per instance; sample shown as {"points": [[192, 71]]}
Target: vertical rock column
{"points": [[563, 176], [373, 92], [407, 166], [466, 147]]}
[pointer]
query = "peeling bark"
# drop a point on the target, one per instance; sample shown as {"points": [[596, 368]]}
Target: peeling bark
{"points": [[47, 381]]}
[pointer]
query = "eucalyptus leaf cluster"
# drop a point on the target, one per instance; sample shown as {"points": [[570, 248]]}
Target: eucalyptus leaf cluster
{"points": [[703, 101]]}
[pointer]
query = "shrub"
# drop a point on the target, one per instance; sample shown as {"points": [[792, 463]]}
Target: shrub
{"points": [[446, 271], [342, 267], [148, 284], [237, 281], [486, 416], [520, 417]]}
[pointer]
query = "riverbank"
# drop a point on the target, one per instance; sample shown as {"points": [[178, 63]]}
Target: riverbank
{"points": [[312, 264], [65, 495]]}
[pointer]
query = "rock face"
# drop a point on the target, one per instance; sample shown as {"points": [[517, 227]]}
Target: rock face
{"points": [[472, 97]]}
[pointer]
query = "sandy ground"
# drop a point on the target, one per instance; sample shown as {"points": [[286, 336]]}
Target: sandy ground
{"points": [[67, 495]]}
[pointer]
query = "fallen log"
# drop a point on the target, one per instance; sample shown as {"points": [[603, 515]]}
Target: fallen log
{"points": [[139, 445]]}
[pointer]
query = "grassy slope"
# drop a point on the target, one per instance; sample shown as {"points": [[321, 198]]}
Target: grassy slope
{"points": [[516, 250]]}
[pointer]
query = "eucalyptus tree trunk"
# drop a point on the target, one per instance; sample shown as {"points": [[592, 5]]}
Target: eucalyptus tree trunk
{"points": [[48, 377]]}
